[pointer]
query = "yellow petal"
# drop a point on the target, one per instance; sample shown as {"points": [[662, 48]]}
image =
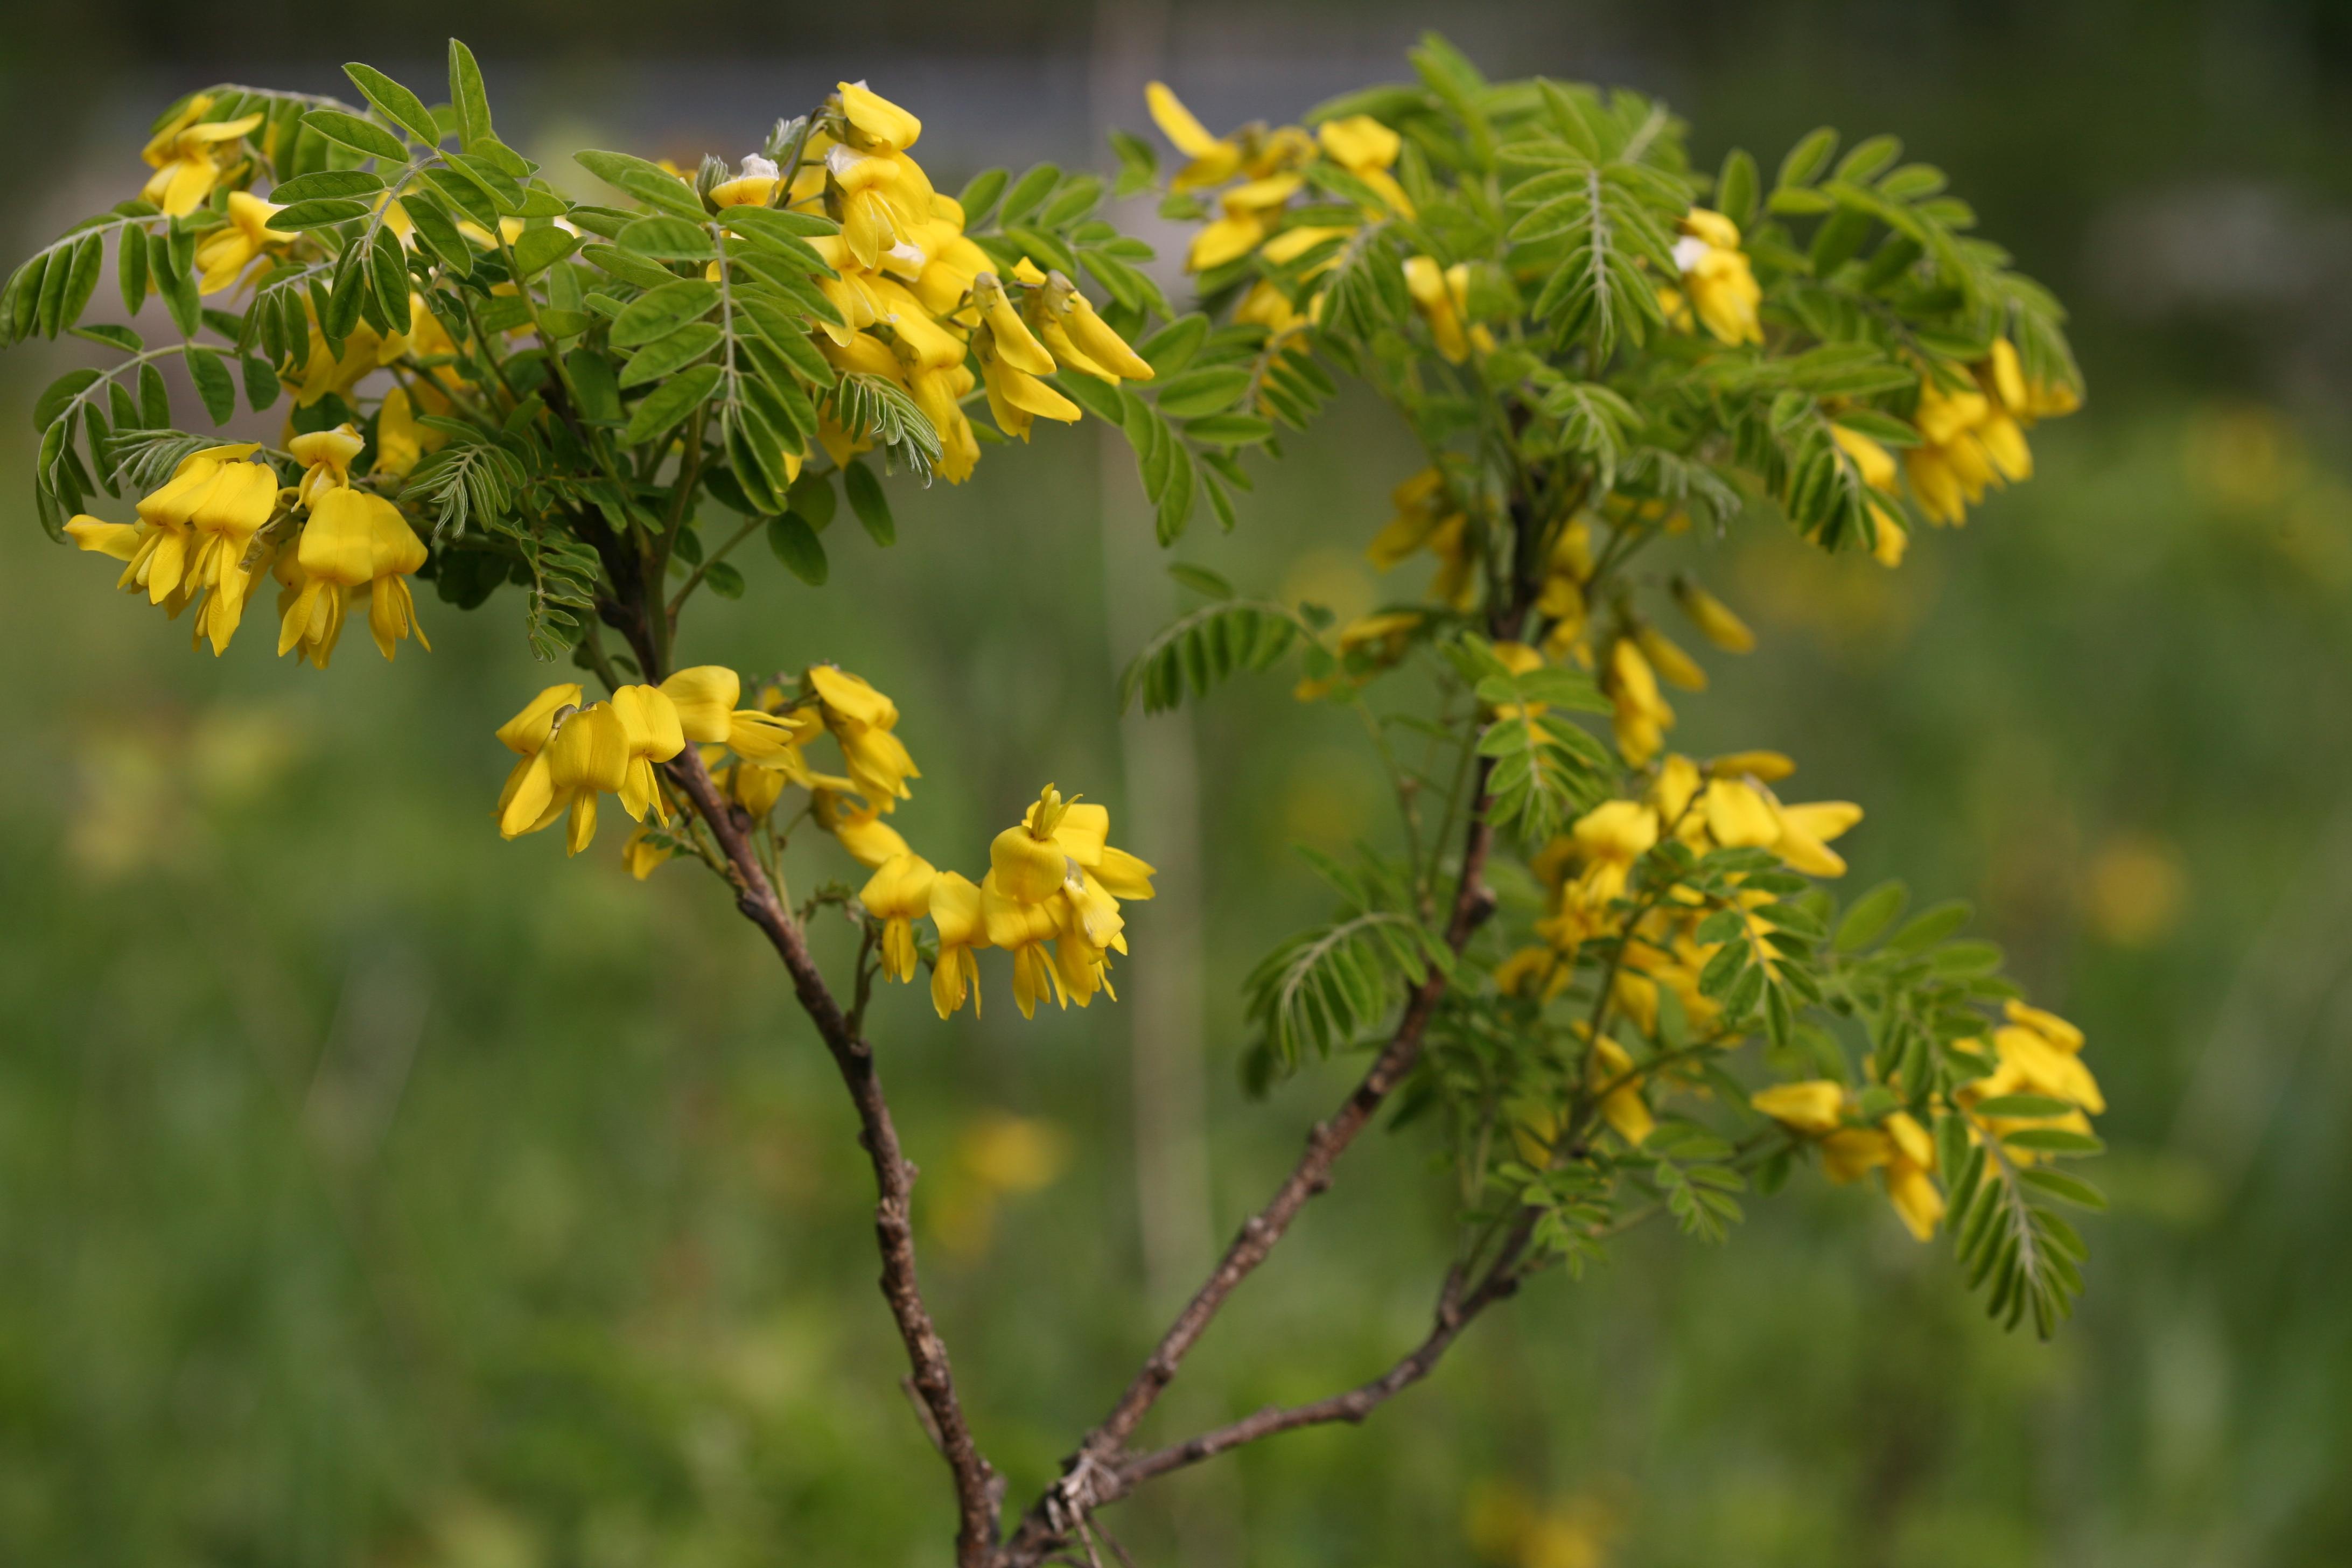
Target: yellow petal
{"points": [[704, 696], [1176, 122]]}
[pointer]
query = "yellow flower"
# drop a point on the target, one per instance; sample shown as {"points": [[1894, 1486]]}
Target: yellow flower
{"points": [[1816, 1105], [1368, 150], [1873, 462], [1442, 296], [875, 123], [899, 894], [1716, 275], [1738, 815], [1080, 340], [1427, 520], [642, 853], [400, 442], [649, 720], [588, 755], [1668, 659], [956, 914], [1013, 342], [870, 840], [1249, 211], [1608, 839], [574, 754], [197, 533], [861, 719], [1805, 833], [1054, 879], [326, 458], [1712, 617], [1215, 159], [223, 255], [527, 735], [1641, 716], [705, 697], [353, 540], [189, 159], [884, 196], [1909, 1175], [1015, 397], [1622, 1106], [2040, 1053], [754, 185]]}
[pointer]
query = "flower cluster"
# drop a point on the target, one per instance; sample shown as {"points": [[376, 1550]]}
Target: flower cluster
{"points": [[1050, 899], [1728, 804], [2039, 1055], [222, 519], [918, 302]]}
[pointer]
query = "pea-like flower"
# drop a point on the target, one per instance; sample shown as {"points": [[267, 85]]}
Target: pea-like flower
{"points": [[899, 894], [191, 156], [955, 911]]}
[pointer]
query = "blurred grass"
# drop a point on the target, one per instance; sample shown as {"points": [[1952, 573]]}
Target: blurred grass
{"points": [[374, 1191]]}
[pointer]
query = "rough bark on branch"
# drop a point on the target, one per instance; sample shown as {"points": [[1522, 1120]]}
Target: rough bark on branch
{"points": [[978, 1489]]}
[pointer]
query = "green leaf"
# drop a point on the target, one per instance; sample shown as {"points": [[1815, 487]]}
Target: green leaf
{"points": [[1735, 188], [395, 102], [51, 405], [667, 238], [593, 378], [1201, 580], [131, 271], [1172, 348], [1808, 158], [359, 135], [324, 213], [1229, 429], [795, 543], [2010, 1106], [261, 386], [437, 232], [1138, 164], [978, 197], [2054, 1139], [388, 273], [628, 266], [1210, 390], [327, 185], [1027, 190], [724, 580], [1199, 650], [468, 97], [811, 497], [1868, 159], [122, 337], [214, 384], [663, 311], [1871, 914], [1930, 927], [670, 353], [537, 249], [669, 402], [2059, 1184], [647, 182], [866, 499]]}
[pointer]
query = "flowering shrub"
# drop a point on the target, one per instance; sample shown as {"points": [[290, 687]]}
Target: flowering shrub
{"points": [[1609, 979]]}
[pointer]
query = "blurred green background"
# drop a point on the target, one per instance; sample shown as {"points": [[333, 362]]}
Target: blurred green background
{"points": [[372, 1192]]}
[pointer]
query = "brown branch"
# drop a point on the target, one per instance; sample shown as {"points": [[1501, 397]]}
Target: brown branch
{"points": [[979, 1491], [1502, 1281], [1092, 1476]]}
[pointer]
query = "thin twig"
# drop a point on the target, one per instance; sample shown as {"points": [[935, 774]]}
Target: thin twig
{"points": [[976, 1486]]}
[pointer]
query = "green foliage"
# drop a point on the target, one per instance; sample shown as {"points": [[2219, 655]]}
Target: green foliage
{"points": [[1199, 650], [1318, 991]]}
